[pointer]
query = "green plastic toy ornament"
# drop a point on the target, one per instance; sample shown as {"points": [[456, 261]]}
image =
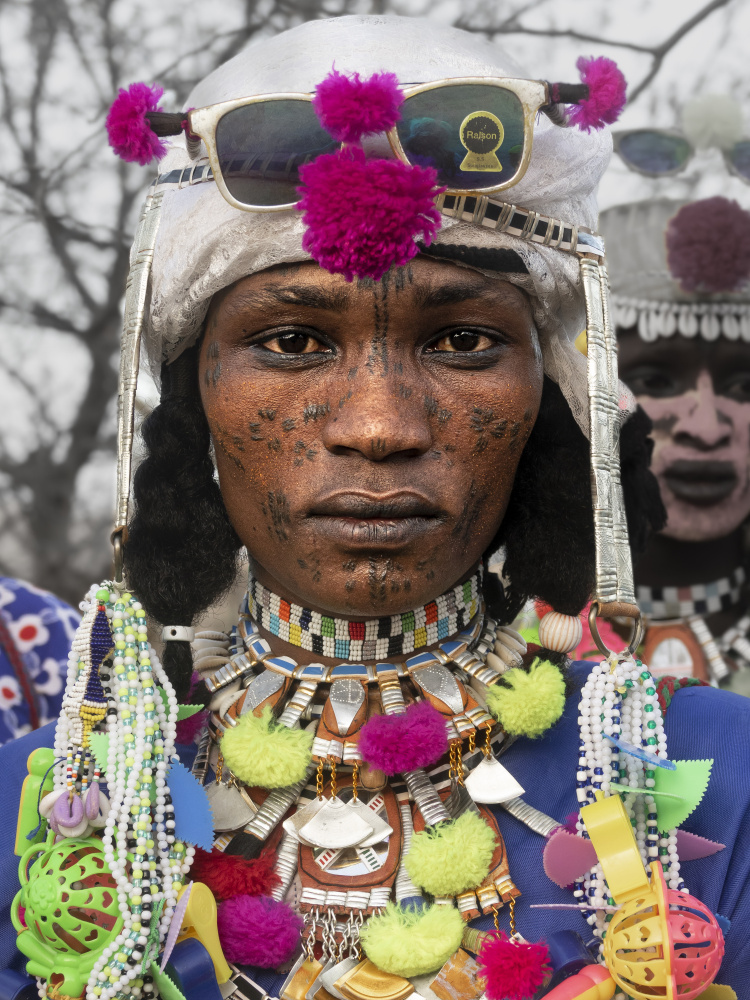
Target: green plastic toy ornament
{"points": [[66, 912]]}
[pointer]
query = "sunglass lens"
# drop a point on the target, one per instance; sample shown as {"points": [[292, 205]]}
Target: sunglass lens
{"points": [[654, 152], [739, 157], [262, 146], [472, 134]]}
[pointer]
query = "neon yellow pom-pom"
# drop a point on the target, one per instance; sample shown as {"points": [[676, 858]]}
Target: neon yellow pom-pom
{"points": [[532, 702], [261, 752], [451, 857], [410, 942]]}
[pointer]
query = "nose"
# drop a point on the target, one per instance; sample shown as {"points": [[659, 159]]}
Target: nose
{"points": [[704, 427], [379, 420]]}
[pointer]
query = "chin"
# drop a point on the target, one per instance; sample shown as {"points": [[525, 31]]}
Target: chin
{"points": [[687, 523]]}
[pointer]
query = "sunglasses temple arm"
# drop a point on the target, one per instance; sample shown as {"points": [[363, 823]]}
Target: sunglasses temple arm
{"points": [[563, 93], [164, 123]]}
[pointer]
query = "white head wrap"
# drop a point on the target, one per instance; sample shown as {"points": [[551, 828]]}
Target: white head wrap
{"points": [[204, 244]]}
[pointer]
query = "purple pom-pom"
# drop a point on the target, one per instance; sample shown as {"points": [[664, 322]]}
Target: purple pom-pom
{"points": [[349, 107], [128, 129], [512, 970], [362, 216], [398, 743], [708, 246], [606, 99], [256, 930]]}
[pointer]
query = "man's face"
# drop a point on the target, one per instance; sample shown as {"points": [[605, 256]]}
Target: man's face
{"points": [[367, 435], [698, 396]]}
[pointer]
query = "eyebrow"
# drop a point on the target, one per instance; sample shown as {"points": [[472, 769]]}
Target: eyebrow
{"points": [[455, 292], [300, 295]]}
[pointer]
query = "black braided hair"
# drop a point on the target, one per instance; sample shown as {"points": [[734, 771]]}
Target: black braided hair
{"points": [[548, 528], [181, 552]]}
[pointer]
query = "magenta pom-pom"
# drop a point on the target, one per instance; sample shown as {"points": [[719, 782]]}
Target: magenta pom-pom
{"points": [[188, 729], [708, 246], [257, 930], [128, 128], [512, 970], [349, 107], [361, 216], [606, 99], [398, 743]]}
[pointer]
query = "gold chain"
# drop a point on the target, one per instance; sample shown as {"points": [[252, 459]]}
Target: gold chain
{"points": [[495, 921], [456, 769], [355, 780], [333, 777], [319, 779], [512, 905], [219, 767], [487, 748], [472, 741]]}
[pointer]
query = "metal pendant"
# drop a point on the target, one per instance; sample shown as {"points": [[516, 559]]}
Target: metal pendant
{"points": [[490, 782], [438, 681], [294, 824], [335, 825], [380, 829], [459, 801], [346, 698], [260, 688], [367, 982], [328, 978], [230, 810]]}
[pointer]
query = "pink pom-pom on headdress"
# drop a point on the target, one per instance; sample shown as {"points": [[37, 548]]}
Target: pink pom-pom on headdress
{"points": [[129, 132], [349, 107], [512, 970], [606, 99], [397, 743], [257, 930], [708, 246]]}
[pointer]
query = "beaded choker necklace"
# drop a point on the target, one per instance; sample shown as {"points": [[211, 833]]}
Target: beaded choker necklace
{"points": [[376, 639], [699, 599]]}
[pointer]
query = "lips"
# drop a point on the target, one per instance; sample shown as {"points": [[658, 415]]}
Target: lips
{"points": [[702, 484], [382, 521]]}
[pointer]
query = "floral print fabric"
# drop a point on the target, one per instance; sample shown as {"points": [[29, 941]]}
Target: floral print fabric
{"points": [[40, 627]]}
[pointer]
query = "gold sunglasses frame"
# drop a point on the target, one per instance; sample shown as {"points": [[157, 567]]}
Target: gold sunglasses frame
{"points": [[533, 95]]}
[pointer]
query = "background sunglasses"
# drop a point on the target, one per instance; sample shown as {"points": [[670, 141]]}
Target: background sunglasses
{"points": [[664, 152], [476, 132]]}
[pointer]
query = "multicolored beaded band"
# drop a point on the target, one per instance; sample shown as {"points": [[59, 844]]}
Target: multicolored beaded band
{"points": [[699, 599], [376, 639]]}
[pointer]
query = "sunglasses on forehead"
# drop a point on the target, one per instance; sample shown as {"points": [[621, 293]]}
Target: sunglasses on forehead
{"points": [[665, 152], [475, 132]]}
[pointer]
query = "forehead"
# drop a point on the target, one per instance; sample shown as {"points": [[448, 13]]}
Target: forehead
{"points": [[683, 354], [424, 283]]}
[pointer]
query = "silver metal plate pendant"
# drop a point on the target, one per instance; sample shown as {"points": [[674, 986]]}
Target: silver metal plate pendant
{"points": [[335, 825], [294, 824], [229, 808], [328, 977], [490, 782], [260, 688], [438, 681], [346, 698], [380, 829], [459, 801]]}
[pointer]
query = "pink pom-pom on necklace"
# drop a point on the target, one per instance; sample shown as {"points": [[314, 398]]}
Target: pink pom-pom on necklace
{"points": [[349, 107], [129, 132], [258, 930], [607, 86], [397, 743], [512, 970], [708, 246]]}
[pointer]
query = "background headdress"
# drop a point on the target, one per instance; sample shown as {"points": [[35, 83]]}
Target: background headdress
{"points": [[679, 267]]}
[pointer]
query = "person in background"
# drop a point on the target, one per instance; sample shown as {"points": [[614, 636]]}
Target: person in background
{"points": [[36, 630], [681, 305]]}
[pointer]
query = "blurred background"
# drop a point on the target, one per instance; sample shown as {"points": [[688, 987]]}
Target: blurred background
{"points": [[68, 206]]}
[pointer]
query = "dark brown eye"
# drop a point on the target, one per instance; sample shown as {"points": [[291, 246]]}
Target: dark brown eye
{"points": [[294, 342], [464, 341]]}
